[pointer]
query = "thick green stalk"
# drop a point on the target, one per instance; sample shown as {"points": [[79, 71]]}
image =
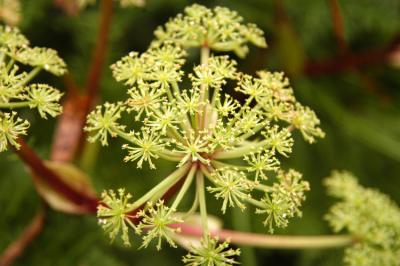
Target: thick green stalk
{"points": [[30, 75], [240, 151], [10, 64], [193, 208], [218, 164], [14, 105], [162, 186], [184, 188], [202, 202], [205, 54]]}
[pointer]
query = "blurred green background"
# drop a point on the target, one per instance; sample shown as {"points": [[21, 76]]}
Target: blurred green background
{"points": [[359, 107]]}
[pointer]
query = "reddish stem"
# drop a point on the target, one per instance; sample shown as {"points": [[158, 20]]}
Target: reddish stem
{"points": [[35, 163], [269, 241], [98, 58], [345, 62], [17, 247], [338, 26], [69, 136]]}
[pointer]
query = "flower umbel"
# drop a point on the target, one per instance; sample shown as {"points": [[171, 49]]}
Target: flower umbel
{"points": [[155, 221], [211, 253], [114, 216], [377, 232], [190, 119], [15, 90], [11, 127]]}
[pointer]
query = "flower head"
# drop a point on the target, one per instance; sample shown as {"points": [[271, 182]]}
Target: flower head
{"points": [[45, 98], [378, 233], [220, 29], [232, 186], [11, 127], [155, 220], [45, 58], [114, 216], [103, 121], [15, 90], [211, 253], [147, 147]]}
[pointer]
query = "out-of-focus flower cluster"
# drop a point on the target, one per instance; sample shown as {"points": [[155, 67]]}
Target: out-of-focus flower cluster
{"points": [[16, 91], [372, 217]]}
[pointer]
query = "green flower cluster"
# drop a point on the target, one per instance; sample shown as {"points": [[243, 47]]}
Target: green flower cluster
{"points": [[188, 118], [15, 88], [220, 29], [368, 215]]}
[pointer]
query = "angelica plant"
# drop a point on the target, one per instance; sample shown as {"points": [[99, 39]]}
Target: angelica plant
{"points": [[377, 232], [230, 148], [16, 89]]}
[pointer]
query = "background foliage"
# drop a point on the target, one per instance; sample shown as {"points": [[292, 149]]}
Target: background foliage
{"points": [[358, 107]]}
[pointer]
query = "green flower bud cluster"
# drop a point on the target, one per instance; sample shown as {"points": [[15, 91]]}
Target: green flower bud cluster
{"points": [[219, 29], [370, 216], [16, 91], [190, 119]]}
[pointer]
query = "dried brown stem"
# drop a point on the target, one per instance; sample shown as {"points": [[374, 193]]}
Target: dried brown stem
{"points": [[16, 248]]}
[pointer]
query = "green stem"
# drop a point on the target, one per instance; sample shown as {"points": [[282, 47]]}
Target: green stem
{"points": [[185, 124], [162, 186], [207, 173], [166, 155], [30, 75], [125, 136], [263, 188], [215, 96], [240, 151], [218, 164], [2, 57], [256, 203], [175, 87], [253, 132], [14, 105], [184, 188], [242, 109], [194, 207], [10, 64], [202, 203], [205, 54], [169, 94]]}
